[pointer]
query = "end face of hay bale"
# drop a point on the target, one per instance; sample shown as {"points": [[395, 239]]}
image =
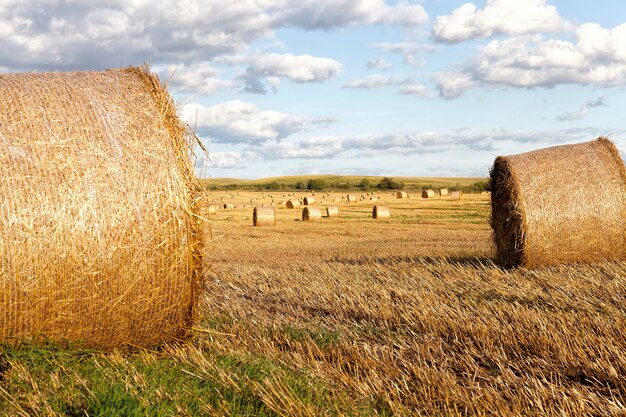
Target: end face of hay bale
{"points": [[332, 211], [114, 254], [311, 214], [291, 204], [308, 201], [428, 193], [263, 216], [542, 213], [381, 212]]}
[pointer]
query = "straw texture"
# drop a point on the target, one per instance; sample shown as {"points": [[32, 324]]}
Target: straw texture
{"points": [[311, 214], [428, 193], [559, 205], [381, 212], [332, 211], [263, 216], [99, 234]]}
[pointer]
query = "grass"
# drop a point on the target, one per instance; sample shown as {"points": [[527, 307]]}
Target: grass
{"points": [[351, 316]]}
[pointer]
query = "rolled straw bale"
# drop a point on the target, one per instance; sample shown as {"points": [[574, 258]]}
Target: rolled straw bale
{"points": [[351, 198], [229, 206], [211, 209], [557, 205], [443, 192], [456, 195], [263, 216], [373, 198], [311, 214], [401, 194], [381, 212], [308, 201], [292, 204], [100, 232], [332, 211], [428, 193]]}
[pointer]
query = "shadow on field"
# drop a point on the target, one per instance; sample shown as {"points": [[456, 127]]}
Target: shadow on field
{"points": [[473, 261]]}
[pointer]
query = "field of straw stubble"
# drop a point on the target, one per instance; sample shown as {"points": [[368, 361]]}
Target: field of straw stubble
{"points": [[354, 316]]}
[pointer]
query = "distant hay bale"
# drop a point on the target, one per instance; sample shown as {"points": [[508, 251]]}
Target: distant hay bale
{"points": [[263, 216], [308, 201], [373, 198], [332, 211], [352, 198], [381, 212], [100, 230], [401, 194], [428, 193], [443, 192], [211, 209], [456, 195], [311, 214], [229, 206], [291, 204], [557, 205]]}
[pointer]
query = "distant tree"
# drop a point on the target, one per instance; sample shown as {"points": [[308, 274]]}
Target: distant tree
{"points": [[317, 184], [300, 185], [364, 184], [390, 184]]}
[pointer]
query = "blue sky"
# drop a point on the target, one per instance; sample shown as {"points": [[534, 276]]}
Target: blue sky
{"points": [[400, 88]]}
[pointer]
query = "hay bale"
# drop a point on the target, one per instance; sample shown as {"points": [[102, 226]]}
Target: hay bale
{"points": [[456, 195], [291, 204], [263, 216], [228, 206], [332, 211], [402, 194], [351, 198], [374, 198], [443, 192], [308, 201], [211, 209], [428, 193], [100, 230], [381, 212], [557, 205], [311, 214]]}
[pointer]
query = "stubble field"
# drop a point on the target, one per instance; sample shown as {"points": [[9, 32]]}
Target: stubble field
{"points": [[354, 316]]}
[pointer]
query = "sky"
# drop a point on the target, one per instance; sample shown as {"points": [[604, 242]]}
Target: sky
{"points": [[366, 87]]}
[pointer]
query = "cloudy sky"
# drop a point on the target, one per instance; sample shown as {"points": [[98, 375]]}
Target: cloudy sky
{"points": [[416, 88]]}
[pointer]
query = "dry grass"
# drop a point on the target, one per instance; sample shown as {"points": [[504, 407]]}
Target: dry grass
{"points": [[412, 315]]}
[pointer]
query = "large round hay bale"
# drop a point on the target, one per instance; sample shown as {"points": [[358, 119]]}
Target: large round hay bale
{"points": [[559, 205], [308, 201], [211, 209], [443, 192], [291, 204], [402, 194], [100, 233], [428, 193], [263, 216], [311, 214], [352, 198], [456, 195], [381, 212], [332, 211]]}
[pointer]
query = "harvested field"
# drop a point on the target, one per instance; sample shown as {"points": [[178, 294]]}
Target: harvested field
{"points": [[347, 316]]}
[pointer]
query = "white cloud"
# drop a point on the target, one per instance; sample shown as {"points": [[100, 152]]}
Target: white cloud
{"points": [[498, 17], [193, 79], [240, 122], [267, 69], [332, 14], [417, 90], [453, 84], [372, 81], [378, 64], [226, 160], [583, 111]]}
